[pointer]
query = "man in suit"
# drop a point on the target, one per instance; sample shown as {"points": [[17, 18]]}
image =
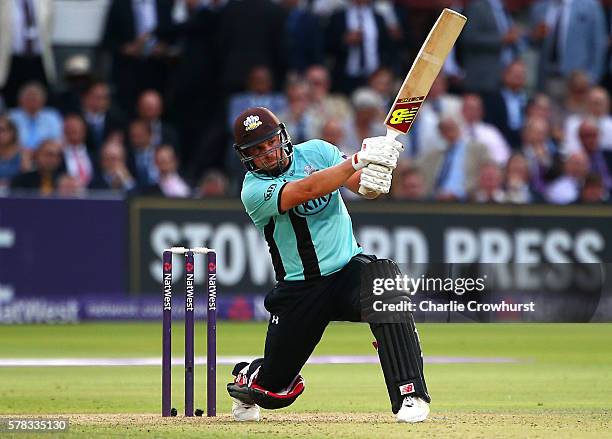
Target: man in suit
{"points": [[49, 166], [358, 39], [478, 131], [570, 36], [505, 108], [326, 106], [169, 183], [101, 118], [113, 173], [76, 157], [450, 173], [141, 154], [149, 109], [489, 42], [589, 135], [128, 37], [25, 45]]}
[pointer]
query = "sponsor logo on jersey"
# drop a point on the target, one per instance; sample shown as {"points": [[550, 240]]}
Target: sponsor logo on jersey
{"points": [[312, 207], [406, 389], [251, 122], [270, 191]]}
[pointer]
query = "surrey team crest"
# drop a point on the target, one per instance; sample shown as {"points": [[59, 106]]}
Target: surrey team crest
{"points": [[251, 122], [309, 170]]}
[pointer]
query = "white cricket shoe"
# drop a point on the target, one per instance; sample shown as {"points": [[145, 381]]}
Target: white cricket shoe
{"points": [[413, 410], [242, 411]]}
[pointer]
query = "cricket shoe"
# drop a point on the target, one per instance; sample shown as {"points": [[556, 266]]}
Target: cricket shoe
{"points": [[243, 408], [241, 411], [413, 410]]}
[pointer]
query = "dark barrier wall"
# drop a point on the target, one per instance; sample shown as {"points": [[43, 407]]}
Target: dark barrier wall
{"points": [[55, 247], [65, 260], [402, 231]]}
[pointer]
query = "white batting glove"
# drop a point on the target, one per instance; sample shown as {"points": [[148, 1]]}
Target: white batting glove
{"points": [[381, 150], [382, 142], [380, 156], [376, 178]]}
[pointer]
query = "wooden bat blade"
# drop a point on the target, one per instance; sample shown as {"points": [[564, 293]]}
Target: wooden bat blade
{"points": [[424, 70]]}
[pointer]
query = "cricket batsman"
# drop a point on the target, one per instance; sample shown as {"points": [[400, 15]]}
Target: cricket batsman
{"points": [[292, 195]]}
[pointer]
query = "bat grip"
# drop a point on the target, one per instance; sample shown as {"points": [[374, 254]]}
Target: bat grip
{"points": [[391, 134]]}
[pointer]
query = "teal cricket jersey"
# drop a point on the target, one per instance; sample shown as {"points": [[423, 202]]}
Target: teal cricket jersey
{"points": [[313, 239]]}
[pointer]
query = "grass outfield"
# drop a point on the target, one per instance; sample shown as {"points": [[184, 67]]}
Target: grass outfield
{"points": [[560, 385]]}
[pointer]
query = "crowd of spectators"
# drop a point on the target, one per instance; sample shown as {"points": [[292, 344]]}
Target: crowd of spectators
{"points": [[519, 114]]}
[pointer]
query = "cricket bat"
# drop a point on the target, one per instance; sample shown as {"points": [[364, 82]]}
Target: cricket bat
{"points": [[422, 74]]}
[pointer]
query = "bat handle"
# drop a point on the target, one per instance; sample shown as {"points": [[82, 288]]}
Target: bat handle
{"points": [[391, 134]]}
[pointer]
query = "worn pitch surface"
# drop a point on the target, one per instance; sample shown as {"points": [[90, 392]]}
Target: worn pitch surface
{"points": [[558, 384]]}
